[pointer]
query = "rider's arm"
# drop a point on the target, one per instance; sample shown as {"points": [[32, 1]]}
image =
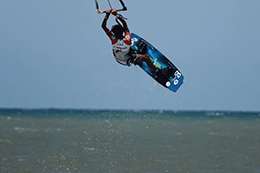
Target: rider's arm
{"points": [[123, 22], [114, 12], [104, 23]]}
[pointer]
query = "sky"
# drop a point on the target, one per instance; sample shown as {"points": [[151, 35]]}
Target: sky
{"points": [[54, 54]]}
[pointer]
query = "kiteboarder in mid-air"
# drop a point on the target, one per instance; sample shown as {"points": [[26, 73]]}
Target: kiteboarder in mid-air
{"points": [[138, 51]]}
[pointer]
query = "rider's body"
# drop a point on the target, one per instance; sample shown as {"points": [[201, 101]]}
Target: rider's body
{"points": [[121, 41]]}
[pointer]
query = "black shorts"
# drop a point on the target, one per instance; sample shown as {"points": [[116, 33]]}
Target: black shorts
{"points": [[134, 58]]}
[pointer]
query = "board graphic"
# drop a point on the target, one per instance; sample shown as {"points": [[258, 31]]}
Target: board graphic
{"points": [[172, 81]]}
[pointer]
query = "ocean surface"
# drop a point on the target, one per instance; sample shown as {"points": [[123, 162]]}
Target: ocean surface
{"points": [[125, 141]]}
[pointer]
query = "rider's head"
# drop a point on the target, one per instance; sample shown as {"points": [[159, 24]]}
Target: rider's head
{"points": [[118, 31]]}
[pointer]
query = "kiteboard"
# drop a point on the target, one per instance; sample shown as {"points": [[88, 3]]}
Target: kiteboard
{"points": [[171, 78]]}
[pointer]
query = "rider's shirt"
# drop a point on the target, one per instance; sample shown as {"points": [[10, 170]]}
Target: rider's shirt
{"points": [[121, 47]]}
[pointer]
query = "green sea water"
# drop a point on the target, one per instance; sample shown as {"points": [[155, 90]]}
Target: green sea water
{"points": [[122, 141]]}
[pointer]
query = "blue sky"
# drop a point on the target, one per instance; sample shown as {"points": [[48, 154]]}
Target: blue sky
{"points": [[53, 53]]}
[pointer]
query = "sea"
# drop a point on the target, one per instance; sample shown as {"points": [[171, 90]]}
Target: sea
{"points": [[128, 141]]}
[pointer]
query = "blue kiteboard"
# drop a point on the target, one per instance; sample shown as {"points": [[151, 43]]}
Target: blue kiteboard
{"points": [[172, 81]]}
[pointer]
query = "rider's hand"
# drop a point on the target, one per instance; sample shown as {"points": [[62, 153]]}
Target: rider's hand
{"points": [[114, 12], [108, 12]]}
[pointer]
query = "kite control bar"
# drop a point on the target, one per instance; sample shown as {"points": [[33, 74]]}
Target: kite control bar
{"points": [[100, 12]]}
